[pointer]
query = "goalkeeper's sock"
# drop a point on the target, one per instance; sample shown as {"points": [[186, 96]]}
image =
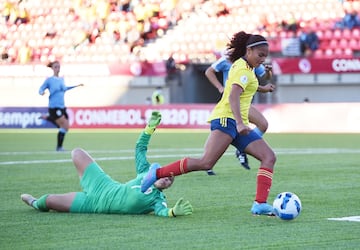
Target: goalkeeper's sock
{"points": [[264, 180], [40, 204], [173, 169]]}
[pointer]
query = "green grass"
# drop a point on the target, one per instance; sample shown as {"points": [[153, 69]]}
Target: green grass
{"points": [[323, 170]]}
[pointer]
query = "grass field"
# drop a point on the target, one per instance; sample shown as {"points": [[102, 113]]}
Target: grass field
{"points": [[323, 170]]}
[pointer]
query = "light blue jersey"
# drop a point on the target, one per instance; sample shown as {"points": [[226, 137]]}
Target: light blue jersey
{"points": [[57, 89], [223, 65]]}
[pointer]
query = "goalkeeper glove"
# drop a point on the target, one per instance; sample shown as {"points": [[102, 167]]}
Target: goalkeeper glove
{"points": [[181, 208], [153, 122]]}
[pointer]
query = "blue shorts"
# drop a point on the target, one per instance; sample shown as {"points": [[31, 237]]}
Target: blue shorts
{"points": [[228, 126]]}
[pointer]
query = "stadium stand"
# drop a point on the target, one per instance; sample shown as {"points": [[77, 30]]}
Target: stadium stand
{"points": [[116, 31]]}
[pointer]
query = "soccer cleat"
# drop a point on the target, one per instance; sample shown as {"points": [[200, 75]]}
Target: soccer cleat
{"points": [[28, 199], [60, 149], [243, 159], [262, 209], [210, 172], [150, 178]]}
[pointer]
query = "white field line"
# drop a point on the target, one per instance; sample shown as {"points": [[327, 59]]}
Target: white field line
{"points": [[349, 218], [164, 153]]}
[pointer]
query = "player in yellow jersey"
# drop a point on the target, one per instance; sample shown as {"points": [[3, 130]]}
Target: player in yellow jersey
{"points": [[262, 72], [230, 123]]}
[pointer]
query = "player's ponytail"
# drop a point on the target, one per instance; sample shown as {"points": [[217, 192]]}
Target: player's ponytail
{"points": [[237, 45], [50, 64]]}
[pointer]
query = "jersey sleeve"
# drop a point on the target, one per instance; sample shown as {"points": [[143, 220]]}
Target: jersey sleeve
{"points": [[69, 87], [43, 87], [260, 71], [142, 164], [221, 65], [161, 209]]}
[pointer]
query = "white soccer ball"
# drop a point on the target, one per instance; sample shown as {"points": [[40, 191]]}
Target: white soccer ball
{"points": [[287, 206]]}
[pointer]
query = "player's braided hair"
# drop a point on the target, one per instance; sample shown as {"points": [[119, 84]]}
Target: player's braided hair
{"points": [[240, 42]]}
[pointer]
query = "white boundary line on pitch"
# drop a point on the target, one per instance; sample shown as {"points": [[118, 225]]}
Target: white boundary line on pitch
{"points": [[277, 151], [349, 218], [280, 151]]}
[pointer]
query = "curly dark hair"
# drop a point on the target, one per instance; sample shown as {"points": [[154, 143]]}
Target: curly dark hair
{"points": [[239, 43]]}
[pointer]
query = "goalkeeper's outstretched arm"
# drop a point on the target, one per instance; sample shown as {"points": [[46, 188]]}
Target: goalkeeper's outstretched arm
{"points": [[141, 162]]}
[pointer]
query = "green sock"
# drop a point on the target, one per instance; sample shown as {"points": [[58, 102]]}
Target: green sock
{"points": [[40, 204]]}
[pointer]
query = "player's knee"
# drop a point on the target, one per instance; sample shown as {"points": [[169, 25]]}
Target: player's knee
{"points": [[263, 125], [77, 153], [270, 158]]}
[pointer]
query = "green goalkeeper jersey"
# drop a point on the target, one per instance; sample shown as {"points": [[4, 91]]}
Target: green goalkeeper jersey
{"points": [[101, 194]]}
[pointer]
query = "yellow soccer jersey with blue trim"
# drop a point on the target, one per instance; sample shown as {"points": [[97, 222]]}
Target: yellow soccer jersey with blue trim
{"points": [[242, 74]]}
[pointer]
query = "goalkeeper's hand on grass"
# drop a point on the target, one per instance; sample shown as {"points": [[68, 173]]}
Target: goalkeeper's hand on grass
{"points": [[182, 208], [153, 122]]}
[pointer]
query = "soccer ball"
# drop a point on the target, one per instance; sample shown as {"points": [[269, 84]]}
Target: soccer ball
{"points": [[287, 206]]}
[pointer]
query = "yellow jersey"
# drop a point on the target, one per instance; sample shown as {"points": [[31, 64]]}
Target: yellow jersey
{"points": [[242, 74]]}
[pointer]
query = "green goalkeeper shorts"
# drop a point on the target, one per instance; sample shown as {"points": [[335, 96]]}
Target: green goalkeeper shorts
{"points": [[97, 186]]}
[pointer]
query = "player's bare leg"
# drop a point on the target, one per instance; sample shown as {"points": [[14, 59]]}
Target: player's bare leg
{"points": [[257, 118], [56, 202]]}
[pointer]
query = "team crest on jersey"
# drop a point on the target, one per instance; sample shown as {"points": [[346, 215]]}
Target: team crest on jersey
{"points": [[243, 79]]}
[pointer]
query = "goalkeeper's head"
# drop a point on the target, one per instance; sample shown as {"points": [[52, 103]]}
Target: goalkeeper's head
{"points": [[164, 183]]}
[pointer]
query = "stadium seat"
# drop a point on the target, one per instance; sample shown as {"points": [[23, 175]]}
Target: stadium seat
{"points": [[355, 33], [343, 43], [348, 52], [199, 33], [329, 52], [337, 34], [354, 44], [328, 35], [346, 34], [333, 44], [319, 53], [338, 52]]}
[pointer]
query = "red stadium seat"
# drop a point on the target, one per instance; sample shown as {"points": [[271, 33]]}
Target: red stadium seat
{"points": [[338, 52], [346, 34], [343, 43], [196, 39], [354, 44], [333, 44], [348, 52], [355, 33], [328, 34], [329, 52], [337, 34], [319, 53]]}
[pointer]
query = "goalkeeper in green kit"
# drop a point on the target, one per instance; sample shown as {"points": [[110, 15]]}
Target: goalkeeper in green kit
{"points": [[102, 194]]}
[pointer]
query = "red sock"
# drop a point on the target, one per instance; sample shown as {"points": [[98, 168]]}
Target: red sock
{"points": [[173, 169], [264, 180]]}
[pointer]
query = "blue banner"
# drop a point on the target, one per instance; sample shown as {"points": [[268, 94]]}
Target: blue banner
{"points": [[12, 117]]}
